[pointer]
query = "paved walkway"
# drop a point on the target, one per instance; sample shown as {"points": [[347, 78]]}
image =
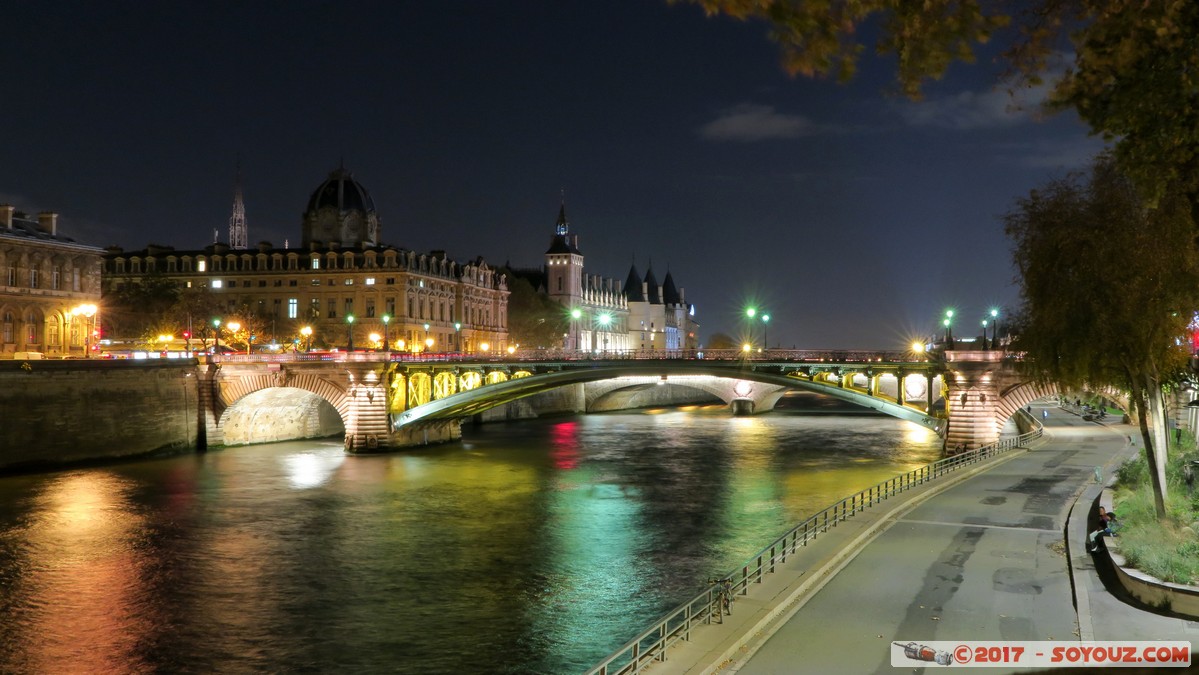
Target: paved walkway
{"points": [[980, 558]]}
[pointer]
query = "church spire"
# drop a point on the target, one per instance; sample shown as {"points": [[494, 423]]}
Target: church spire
{"points": [[562, 227], [237, 221]]}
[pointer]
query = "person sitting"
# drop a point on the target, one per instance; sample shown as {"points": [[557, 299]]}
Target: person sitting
{"points": [[1108, 524]]}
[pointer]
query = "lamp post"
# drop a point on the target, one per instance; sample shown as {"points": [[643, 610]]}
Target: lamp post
{"points": [[306, 331], [458, 337], [426, 335], [994, 328], [386, 344], [350, 329], [575, 314], [87, 311], [233, 328], [216, 336], [984, 334], [765, 326], [948, 328], [750, 313], [605, 320]]}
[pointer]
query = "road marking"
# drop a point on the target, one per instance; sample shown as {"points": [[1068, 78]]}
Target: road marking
{"points": [[983, 525]]}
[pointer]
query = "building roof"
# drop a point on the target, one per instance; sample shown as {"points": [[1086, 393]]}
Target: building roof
{"points": [[342, 192], [29, 229], [670, 294], [632, 286], [653, 295]]}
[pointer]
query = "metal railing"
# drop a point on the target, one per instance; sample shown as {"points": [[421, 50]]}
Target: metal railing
{"points": [[714, 602], [812, 356]]}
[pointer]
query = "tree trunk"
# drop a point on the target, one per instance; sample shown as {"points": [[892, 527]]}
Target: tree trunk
{"points": [[1161, 435], [1138, 396]]}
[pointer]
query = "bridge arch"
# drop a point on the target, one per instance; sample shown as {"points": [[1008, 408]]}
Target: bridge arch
{"points": [[253, 406], [524, 383]]}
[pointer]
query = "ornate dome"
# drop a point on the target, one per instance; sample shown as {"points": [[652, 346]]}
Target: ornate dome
{"points": [[342, 192], [340, 211]]}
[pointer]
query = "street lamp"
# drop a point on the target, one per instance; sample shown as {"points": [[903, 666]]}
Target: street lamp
{"points": [[306, 331], [374, 338], [984, 334], [994, 328], [87, 310], [458, 336], [233, 327], [575, 314], [948, 328], [216, 336], [386, 320], [350, 329], [765, 326], [750, 313], [605, 320]]}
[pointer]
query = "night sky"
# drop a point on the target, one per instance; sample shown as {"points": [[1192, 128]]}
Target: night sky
{"points": [[853, 216]]}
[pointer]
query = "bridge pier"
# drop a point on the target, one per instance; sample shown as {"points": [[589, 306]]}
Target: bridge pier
{"points": [[973, 399], [742, 406]]}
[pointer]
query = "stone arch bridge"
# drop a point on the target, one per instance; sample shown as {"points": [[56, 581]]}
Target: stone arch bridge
{"points": [[389, 401]]}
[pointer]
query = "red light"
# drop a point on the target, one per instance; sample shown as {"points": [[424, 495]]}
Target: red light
{"points": [[186, 335]]}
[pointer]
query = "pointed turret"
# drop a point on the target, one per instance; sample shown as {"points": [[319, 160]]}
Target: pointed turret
{"points": [[562, 241], [632, 286], [238, 236], [652, 292], [670, 294]]}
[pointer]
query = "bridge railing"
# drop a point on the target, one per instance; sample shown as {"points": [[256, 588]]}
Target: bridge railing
{"points": [[551, 355], [711, 604]]}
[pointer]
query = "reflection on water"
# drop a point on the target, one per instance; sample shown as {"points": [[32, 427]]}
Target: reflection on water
{"points": [[530, 547]]}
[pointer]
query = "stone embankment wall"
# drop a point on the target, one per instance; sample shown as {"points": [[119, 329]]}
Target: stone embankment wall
{"points": [[58, 412]]}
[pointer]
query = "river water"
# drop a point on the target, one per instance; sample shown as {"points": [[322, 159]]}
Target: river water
{"points": [[532, 547]]}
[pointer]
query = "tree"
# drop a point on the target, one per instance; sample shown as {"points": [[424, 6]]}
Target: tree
{"points": [[722, 341], [534, 320], [1108, 287], [1133, 79], [137, 308]]}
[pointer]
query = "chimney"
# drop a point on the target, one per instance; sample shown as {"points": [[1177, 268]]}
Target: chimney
{"points": [[48, 221], [6, 215]]}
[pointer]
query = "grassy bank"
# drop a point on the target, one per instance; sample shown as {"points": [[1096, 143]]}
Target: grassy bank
{"points": [[1167, 549]]}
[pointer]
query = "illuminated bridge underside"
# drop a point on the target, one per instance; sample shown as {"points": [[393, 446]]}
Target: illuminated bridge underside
{"points": [[729, 384]]}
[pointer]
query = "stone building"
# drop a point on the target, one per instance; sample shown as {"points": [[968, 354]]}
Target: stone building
{"points": [[46, 275], [341, 283], [607, 316]]}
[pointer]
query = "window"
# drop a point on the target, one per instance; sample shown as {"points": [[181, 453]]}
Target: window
{"points": [[262, 283], [279, 283], [33, 278], [349, 282], [275, 310], [349, 306], [314, 308], [8, 327], [370, 281], [217, 283], [391, 306], [316, 263], [293, 308], [12, 275], [201, 265], [332, 309], [56, 279], [316, 282], [391, 281], [370, 309], [75, 280], [293, 283]]}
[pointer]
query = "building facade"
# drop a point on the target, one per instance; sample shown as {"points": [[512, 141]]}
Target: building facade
{"points": [[50, 293], [338, 289], [606, 316]]}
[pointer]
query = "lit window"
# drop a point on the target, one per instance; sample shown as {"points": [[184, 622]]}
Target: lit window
{"points": [[349, 282], [293, 308], [316, 263], [217, 283], [370, 281], [201, 265]]}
